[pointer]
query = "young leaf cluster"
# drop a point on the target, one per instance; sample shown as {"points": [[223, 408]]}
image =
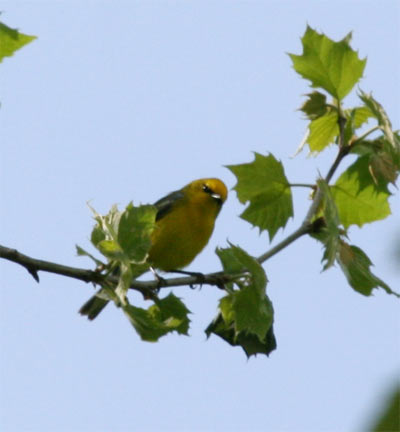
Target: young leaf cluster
{"points": [[123, 238], [360, 194]]}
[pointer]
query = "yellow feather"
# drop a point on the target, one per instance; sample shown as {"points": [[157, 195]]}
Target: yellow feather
{"points": [[184, 231]]}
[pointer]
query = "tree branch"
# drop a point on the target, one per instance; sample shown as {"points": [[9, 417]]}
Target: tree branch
{"points": [[33, 266]]}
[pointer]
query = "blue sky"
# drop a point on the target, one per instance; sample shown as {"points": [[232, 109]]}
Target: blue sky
{"points": [[120, 101]]}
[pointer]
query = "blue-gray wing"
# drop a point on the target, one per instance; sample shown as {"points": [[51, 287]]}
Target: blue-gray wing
{"points": [[166, 204]]}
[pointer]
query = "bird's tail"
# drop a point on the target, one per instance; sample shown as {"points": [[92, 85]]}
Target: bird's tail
{"points": [[93, 306]]}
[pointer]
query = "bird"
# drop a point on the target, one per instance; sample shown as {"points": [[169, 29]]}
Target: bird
{"points": [[184, 223]]}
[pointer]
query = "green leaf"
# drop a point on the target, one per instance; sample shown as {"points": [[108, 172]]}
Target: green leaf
{"points": [[358, 199], [360, 115], [148, 328], [315, 105], [173, 313], [107, 226], [248, 308], [124, 238], [168, 315], [263, 184], [330, 65], [11, 40], [383, 120], [355, 118], [323, 132], [248, 342], [253, 314], [245, 315], [331, 231], [125, 235], [231, 263], [110, 223], [236, 260], [356, 267], [110, 249], [134, 230], [97, 236]]}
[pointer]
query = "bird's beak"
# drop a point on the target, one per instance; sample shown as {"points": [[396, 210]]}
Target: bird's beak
{"points": [[217, 198]]}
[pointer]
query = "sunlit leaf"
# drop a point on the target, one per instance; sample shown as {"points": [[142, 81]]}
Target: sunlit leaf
{"points": [[323, 132], [135, 227], [263, 184], [333, 66], [358, 199], [355, 118], [110, 249], [361, 115]]}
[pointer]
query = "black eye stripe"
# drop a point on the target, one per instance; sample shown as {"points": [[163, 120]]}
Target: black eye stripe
{"points": [[208, 190]]}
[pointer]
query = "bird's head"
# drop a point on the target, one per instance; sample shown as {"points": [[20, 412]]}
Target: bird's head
{"points": [[209, 189]]}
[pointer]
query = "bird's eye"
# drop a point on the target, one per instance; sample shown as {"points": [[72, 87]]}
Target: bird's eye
{"points": [[206, 189]]}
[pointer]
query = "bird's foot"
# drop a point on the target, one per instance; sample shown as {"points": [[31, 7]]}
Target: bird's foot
{"points": [[200, 276]]}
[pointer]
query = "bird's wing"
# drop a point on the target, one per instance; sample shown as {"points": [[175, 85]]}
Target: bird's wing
{"points": [[166, 204]]}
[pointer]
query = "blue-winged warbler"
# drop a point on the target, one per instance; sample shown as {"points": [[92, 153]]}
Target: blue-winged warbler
{"points": [[184, 223]]}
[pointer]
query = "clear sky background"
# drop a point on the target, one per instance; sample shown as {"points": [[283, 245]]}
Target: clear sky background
{"points": [[130, 100]]}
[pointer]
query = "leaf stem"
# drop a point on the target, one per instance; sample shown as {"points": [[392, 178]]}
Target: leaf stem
{"points": [[304, 185]]}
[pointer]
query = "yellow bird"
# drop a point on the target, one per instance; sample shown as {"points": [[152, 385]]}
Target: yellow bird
{"points": [[184, 223]]}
